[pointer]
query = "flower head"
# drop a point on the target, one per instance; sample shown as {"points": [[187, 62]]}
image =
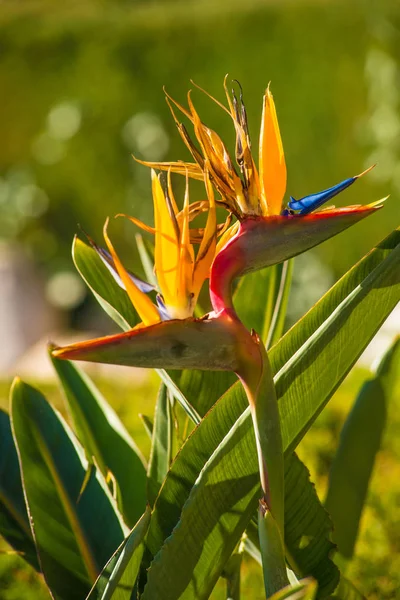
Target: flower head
{"points": [[180, 272], [267, 231], [245, 190]]}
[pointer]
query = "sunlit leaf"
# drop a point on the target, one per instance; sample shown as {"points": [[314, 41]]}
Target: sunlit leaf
{"points": [[14, 520], [360, 441], [76, 530], [161, 446], [306, 589], [105, 438], [359, 302], [118, 578], [111, 297]]}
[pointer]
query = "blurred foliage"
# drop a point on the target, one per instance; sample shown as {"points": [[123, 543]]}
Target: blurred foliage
{"points": [[82, 89], [375, 567]]}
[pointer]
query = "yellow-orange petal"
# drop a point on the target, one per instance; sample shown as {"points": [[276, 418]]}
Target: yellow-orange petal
{"points": [[186, 262], [142, 303], [272, 160], [206, 253], [180, 167], [226, 236], [166, 255]]}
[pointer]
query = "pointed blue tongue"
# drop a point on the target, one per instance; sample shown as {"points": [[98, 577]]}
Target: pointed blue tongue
{"points": [[308, 204]]}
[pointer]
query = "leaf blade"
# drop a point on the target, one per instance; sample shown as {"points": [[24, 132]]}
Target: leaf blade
{"points": [[104, 437], [70, 545]]}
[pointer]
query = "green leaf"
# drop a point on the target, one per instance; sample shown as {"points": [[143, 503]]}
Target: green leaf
{"points": [[296, 337], [105, 438], [202, 388], [308, 528], [360, 440], [306, 589], [177, 393], [352, 303], [161, 447], [113, 299], [14, 521], [191, 560], [75, 530], [315, 369], [118, 578]]}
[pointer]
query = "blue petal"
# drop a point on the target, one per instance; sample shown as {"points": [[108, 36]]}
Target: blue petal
{"points": [[162, 309], [109, 263], [313, 201]]}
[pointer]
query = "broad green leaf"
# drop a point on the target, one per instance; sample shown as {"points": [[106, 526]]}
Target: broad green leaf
{"points": [[14, 521], [118, 578], [189, 462], [186, 569], [306, 589], [308, 528], [105, 438], [161, 446], [360, 441], [317, 315], [177, 393], [375, 284], [308, 379], [76, 530], [202, 388], [113, 299]]}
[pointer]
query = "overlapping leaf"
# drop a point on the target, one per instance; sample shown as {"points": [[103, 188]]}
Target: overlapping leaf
{"points": [[75, 522], [113, 299], [118, 578], [360, 441], [14, 521], [347, 318], [105, 438], [161, 447]]}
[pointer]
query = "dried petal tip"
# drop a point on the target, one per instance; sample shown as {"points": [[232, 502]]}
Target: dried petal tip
{"points": [[365, 172]]}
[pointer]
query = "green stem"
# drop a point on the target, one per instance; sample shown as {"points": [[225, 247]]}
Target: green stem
{"points": [[272, 552], [258, 382]]}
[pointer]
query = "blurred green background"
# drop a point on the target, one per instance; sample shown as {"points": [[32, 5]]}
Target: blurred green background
{"points": [[81, 89]]}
